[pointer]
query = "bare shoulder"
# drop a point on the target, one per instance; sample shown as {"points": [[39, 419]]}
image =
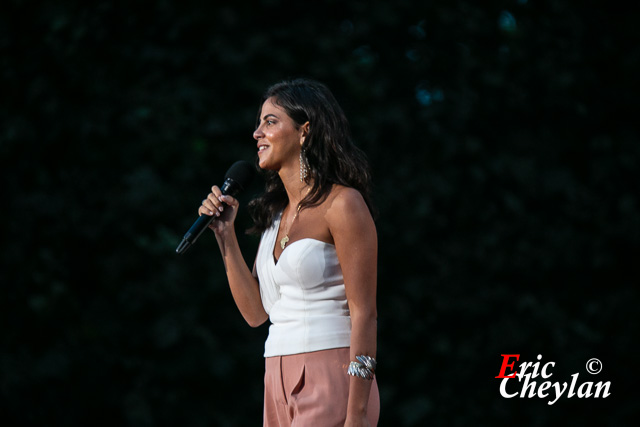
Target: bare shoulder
{"points": [[345, 206], [344, 199]]}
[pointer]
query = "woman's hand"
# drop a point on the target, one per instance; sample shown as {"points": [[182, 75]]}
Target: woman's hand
{"points": [[224, 208], [244, 286]]}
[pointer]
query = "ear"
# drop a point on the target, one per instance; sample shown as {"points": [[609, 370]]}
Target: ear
{"points": [[304, 132]]}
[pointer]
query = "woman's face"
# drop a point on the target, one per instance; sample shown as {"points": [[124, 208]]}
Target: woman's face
{"points": [[279, 140]]}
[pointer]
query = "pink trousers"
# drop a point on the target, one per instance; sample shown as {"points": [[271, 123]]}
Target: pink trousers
{"points": [[311, 389]]}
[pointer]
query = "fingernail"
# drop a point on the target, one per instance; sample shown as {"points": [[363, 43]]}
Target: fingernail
{"points": [[220, 208], [217, 213], [210, 212], [221, 199]]}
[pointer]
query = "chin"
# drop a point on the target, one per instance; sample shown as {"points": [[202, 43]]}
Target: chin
{"points": [[268, 164], [264, 165]]}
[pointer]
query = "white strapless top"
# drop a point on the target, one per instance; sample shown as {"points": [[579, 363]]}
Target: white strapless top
{"points": [[303, 294]]}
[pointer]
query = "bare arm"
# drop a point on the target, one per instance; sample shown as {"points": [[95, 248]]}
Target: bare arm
{"points": [[244, 286], [354, 234]]}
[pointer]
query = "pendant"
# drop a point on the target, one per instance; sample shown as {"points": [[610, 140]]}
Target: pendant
{"points": [[284, 241]]}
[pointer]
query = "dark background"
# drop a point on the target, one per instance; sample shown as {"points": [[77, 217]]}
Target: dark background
{"points": [[504, 142]]}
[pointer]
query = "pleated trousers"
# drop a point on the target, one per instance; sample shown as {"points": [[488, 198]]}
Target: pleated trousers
{"points": [[311, 389]]}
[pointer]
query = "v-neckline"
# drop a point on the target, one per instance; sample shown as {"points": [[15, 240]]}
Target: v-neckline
{"points": [[277, 242], [276, 261]]}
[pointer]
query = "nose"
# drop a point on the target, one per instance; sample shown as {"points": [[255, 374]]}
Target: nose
{"points": [[257, 134]]}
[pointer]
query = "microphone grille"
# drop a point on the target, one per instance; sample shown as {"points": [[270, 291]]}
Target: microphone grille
{"points": [[241, 172]]}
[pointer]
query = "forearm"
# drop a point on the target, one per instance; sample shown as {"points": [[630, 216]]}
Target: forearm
{"points": [[244, 286], [363, 342]]}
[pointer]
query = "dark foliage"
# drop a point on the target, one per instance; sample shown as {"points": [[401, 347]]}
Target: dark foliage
{"points": [[505, 153]]}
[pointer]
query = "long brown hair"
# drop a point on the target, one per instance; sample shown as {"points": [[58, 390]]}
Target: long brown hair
{"points": [[332, 158]]}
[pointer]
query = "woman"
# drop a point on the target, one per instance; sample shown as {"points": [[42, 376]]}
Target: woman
{"points": [[315, 271]]}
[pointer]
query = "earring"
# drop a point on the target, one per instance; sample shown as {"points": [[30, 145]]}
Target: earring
{"points": [[303, 166]]}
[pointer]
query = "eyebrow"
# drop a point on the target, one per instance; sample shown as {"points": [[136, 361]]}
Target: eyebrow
{"points": [[269, 115]]}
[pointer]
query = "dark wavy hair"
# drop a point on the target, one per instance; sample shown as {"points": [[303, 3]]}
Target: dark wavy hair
{"points": [[332, 158]]}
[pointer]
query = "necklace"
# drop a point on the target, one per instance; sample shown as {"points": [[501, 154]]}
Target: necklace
{"points": [[285, 239]]}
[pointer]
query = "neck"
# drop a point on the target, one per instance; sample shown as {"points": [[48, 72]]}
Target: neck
{"points": [[296, 190]]}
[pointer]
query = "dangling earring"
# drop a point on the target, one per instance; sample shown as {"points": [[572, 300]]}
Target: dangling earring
{"points": [[303, 166]]}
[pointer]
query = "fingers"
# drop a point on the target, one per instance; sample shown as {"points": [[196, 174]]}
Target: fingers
{"points": [[229, 201], [208, 205], [219, 200], [215, 202], [206, 210]]}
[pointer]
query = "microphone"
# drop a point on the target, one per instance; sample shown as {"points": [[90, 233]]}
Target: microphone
{"points": [[237, 178]]}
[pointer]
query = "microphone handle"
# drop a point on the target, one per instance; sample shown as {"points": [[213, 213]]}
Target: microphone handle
{"points": [[203, 221], [197, 229]]}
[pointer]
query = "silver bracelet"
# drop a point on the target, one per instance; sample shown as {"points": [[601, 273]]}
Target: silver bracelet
{"points": [[368, 361], [364, 368]]}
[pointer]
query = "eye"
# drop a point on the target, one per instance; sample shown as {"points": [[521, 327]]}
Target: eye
{"points": [[271, 122]]}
